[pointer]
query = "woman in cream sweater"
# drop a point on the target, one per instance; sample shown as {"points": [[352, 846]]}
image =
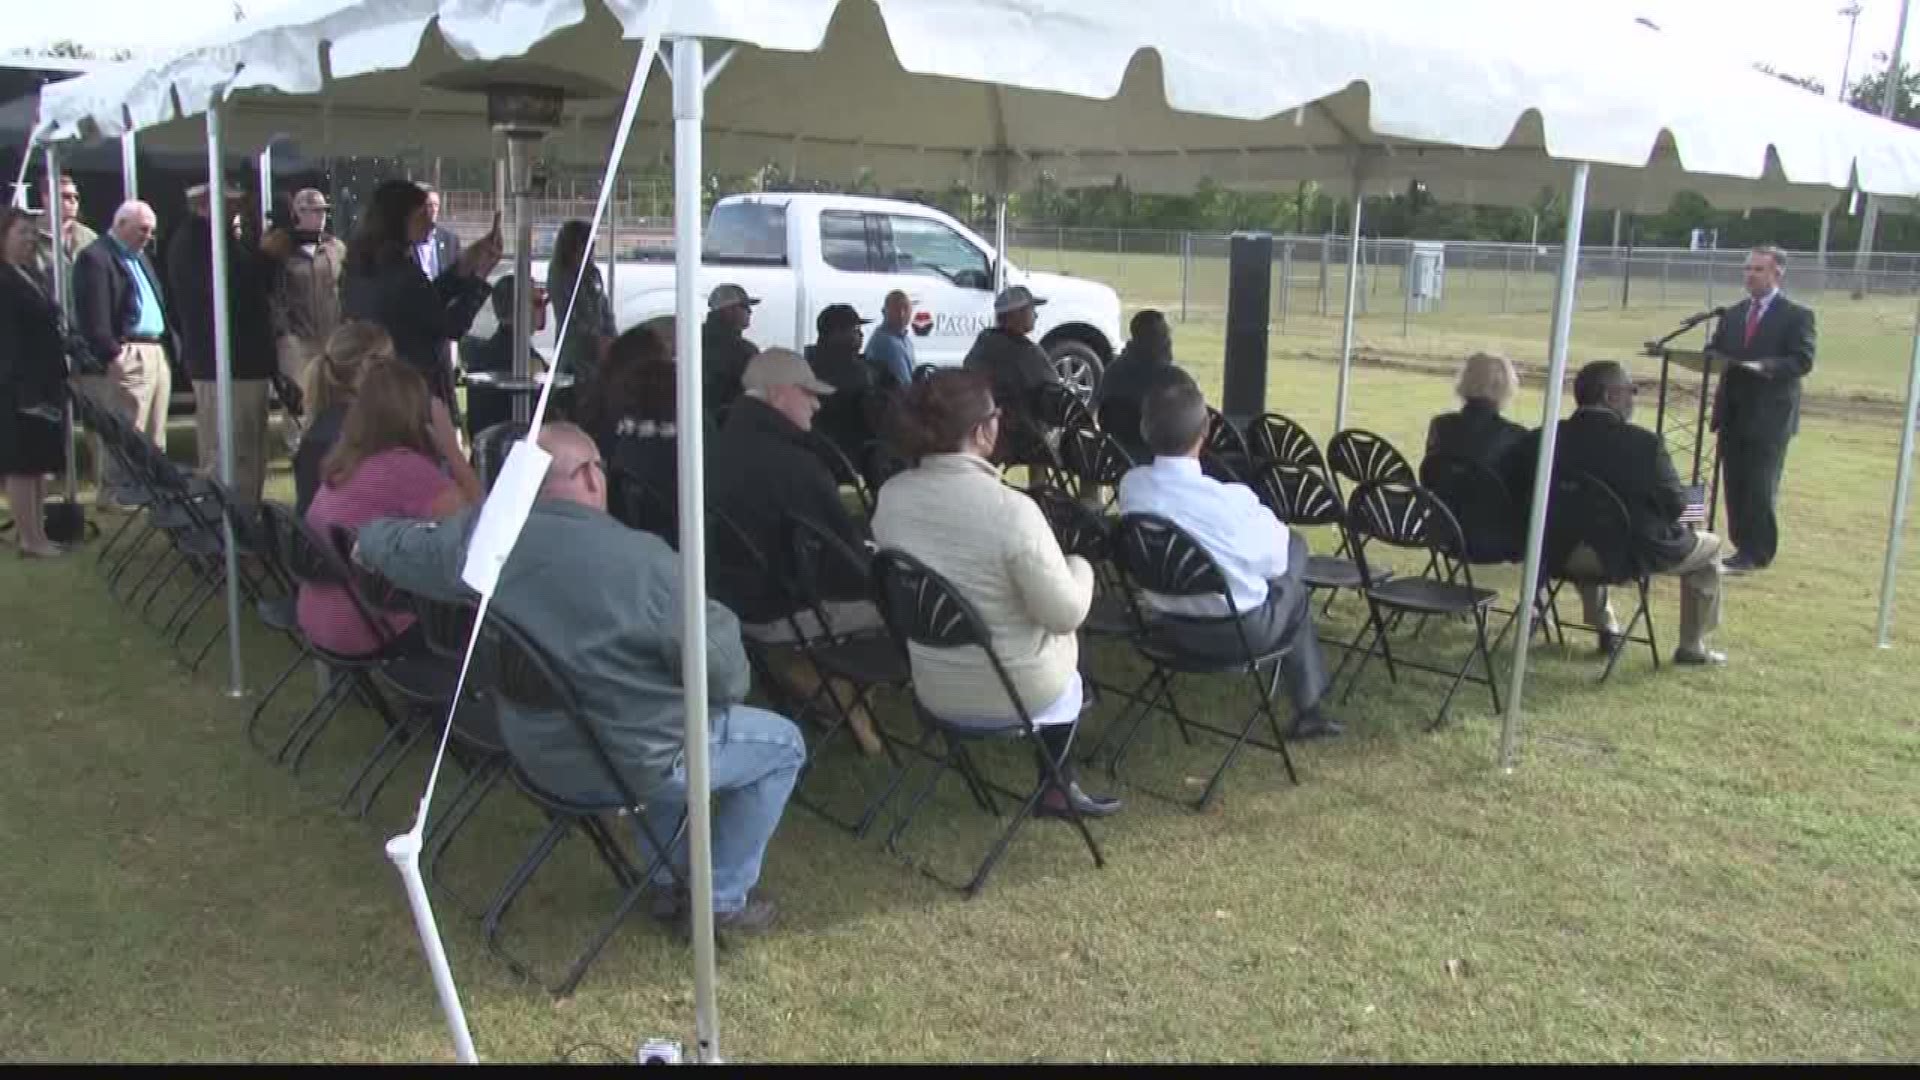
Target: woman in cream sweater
{"points": [[952, 513]]}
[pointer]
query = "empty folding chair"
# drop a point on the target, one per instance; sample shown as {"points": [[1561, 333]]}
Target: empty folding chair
{"points": [[922, 608], [1408, 516], [1274, 438], [1158, 556], [1362, 457], [1226, 457]]}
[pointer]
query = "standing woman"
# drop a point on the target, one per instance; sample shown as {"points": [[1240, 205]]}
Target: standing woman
{"points": [[385, 285], [33, 370], [590, 330]]}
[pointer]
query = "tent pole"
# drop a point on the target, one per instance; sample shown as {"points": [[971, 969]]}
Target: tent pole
{"points": [[689, 93], [1543, 465], [613, 256], [1346, 318], [1902, 474], [519, 166], [999, 242], [266, 185], [130, 166], [218, 225]]}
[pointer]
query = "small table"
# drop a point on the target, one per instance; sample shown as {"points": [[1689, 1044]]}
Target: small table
{"points": [[523, 388]]}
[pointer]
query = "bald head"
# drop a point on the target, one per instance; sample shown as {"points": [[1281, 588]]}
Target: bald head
{"points": [[576, 473], [133, 224]]}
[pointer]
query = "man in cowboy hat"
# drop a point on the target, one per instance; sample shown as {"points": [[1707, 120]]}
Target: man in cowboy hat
{"points": [[725, 349]]}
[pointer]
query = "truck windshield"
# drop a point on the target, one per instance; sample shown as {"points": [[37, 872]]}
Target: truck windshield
{"points": [[747, 232]]}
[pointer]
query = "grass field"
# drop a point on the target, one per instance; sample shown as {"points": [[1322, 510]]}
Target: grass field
{"points": [[1865, 345], [1691, 865]]}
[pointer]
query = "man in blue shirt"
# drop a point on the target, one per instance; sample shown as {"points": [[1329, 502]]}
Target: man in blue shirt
{"points": [[120, 311], [890, 346]]}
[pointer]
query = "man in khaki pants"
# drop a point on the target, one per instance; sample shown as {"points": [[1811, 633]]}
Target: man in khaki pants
{"points": [[120, 312], [306, 261], [1599, 440]]}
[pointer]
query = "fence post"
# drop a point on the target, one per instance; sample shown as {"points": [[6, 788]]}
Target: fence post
{"points": [[1286, 282], [1506, 274], [1059, 247], [1406, 286], [1709, 279], [1666, 269], [1120, 250], [1326, 247], [1186, 270]]}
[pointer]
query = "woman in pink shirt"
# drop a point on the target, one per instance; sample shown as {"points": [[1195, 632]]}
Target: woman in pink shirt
{"points": [[397, 458]]}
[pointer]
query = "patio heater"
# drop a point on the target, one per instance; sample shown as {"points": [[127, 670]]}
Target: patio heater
{"points": [[524, 103]]}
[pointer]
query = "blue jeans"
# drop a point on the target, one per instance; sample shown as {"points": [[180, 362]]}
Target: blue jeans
{"points": [[754, 757]]}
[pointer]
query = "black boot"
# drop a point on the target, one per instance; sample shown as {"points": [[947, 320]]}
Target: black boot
{"points": [[1058, 740]]}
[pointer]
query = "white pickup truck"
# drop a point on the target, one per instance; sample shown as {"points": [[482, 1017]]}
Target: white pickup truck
{"points": [[799, 252]]}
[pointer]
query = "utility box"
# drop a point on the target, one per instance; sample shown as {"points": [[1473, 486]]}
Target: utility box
{"points": [[1426, 273]]}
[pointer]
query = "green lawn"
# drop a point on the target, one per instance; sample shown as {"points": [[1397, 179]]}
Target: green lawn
{"points": [[1697, 865], [1866, 345]]}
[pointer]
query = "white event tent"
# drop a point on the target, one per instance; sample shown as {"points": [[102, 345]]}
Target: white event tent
{"points": [[1481, 100]]}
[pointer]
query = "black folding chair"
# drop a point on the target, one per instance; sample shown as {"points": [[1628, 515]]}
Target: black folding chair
{"points": [[1093, 462], [1274, 438], [638, 505], [1158, 556], [1489, 518], [1363, 457], [1226, 456], [845, 474], [1406, 515], [1585, 512], [921, 607], [865, 660], [525, 681]]}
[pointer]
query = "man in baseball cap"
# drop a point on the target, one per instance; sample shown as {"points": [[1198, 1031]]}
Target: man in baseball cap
{"points": [[1005, 354], [763, 472], [725, 349], [835, 357]]}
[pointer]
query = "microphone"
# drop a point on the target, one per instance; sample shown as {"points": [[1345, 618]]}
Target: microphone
{"points": [[1692, 321]]}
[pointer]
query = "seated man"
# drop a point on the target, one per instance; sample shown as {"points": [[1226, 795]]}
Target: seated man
{"points": [[1145, 363], [1018, 368], [603, 602], [1261, 559], [1598, 439], [487, 406], [835, 358], [761, 474]]}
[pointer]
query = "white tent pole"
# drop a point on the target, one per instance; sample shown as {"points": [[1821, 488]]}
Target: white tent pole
{"points": [[1346, 318], [218, 227], [130, 166], [689, 96], [613, 257], [266, 185], [1543, 465], [519, 166], [999, 242], [1901, 474]]}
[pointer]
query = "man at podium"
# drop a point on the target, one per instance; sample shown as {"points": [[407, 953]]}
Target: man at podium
{"points": [[1768, 343]]}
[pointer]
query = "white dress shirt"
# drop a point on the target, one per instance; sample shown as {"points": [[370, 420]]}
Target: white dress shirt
{"points": [[1246, 541]]}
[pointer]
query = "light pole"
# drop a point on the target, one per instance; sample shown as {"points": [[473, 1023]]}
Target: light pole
{"points": [[1852, 12]]}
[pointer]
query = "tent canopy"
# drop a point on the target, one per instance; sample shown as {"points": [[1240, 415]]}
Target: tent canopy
{"points": [[1482, 101]]}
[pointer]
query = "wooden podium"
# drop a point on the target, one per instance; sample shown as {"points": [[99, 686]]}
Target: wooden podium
{"points": [[1686, 394]]}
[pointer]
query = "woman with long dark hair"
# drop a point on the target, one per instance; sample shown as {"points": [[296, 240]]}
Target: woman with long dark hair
{"points": [[629, 412], [590, 330], [33, 371], [384, 284], [951, 511]]}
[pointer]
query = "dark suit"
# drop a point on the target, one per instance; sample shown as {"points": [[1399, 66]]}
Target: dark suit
{"points": [[105, 303], [1757, 413], [423, 317], [1634, 462], [1478, 433]]}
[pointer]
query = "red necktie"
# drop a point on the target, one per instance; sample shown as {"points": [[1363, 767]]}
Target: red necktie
{"points": [[1753, 321]]}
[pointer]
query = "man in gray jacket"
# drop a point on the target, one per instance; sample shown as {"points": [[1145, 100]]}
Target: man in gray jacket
{"points": [[603, 602]]}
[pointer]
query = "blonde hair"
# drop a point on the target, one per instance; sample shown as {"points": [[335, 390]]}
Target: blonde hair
{"points": [[1488, 377], [333, 377]]}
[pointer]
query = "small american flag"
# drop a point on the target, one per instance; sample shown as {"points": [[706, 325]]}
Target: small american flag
{"points": [[1695, 511]]}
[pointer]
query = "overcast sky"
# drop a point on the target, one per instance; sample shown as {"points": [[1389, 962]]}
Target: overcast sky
{"points": [[1806, 37]]}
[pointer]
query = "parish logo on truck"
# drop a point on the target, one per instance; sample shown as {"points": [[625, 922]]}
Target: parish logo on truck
{"points": [[922, 322]]}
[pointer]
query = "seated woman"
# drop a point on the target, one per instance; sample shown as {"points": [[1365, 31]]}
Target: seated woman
{"points": [[951, 511], [397, 457], [332, 381], [1478, 432], [629, 412], [1494, 527]]}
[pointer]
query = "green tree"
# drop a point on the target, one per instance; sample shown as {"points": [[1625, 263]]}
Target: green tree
{"points": [[1867, 92]]}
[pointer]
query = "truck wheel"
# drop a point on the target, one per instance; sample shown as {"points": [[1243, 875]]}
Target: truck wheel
{"points": [[1078, 366]]}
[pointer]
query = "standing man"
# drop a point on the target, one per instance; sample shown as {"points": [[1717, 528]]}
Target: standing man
{"points": [[890, 346], [307, 262], [441, 248], [1768, 341], [120, 312], [724, 346], [74, 234], [249, 336]]}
